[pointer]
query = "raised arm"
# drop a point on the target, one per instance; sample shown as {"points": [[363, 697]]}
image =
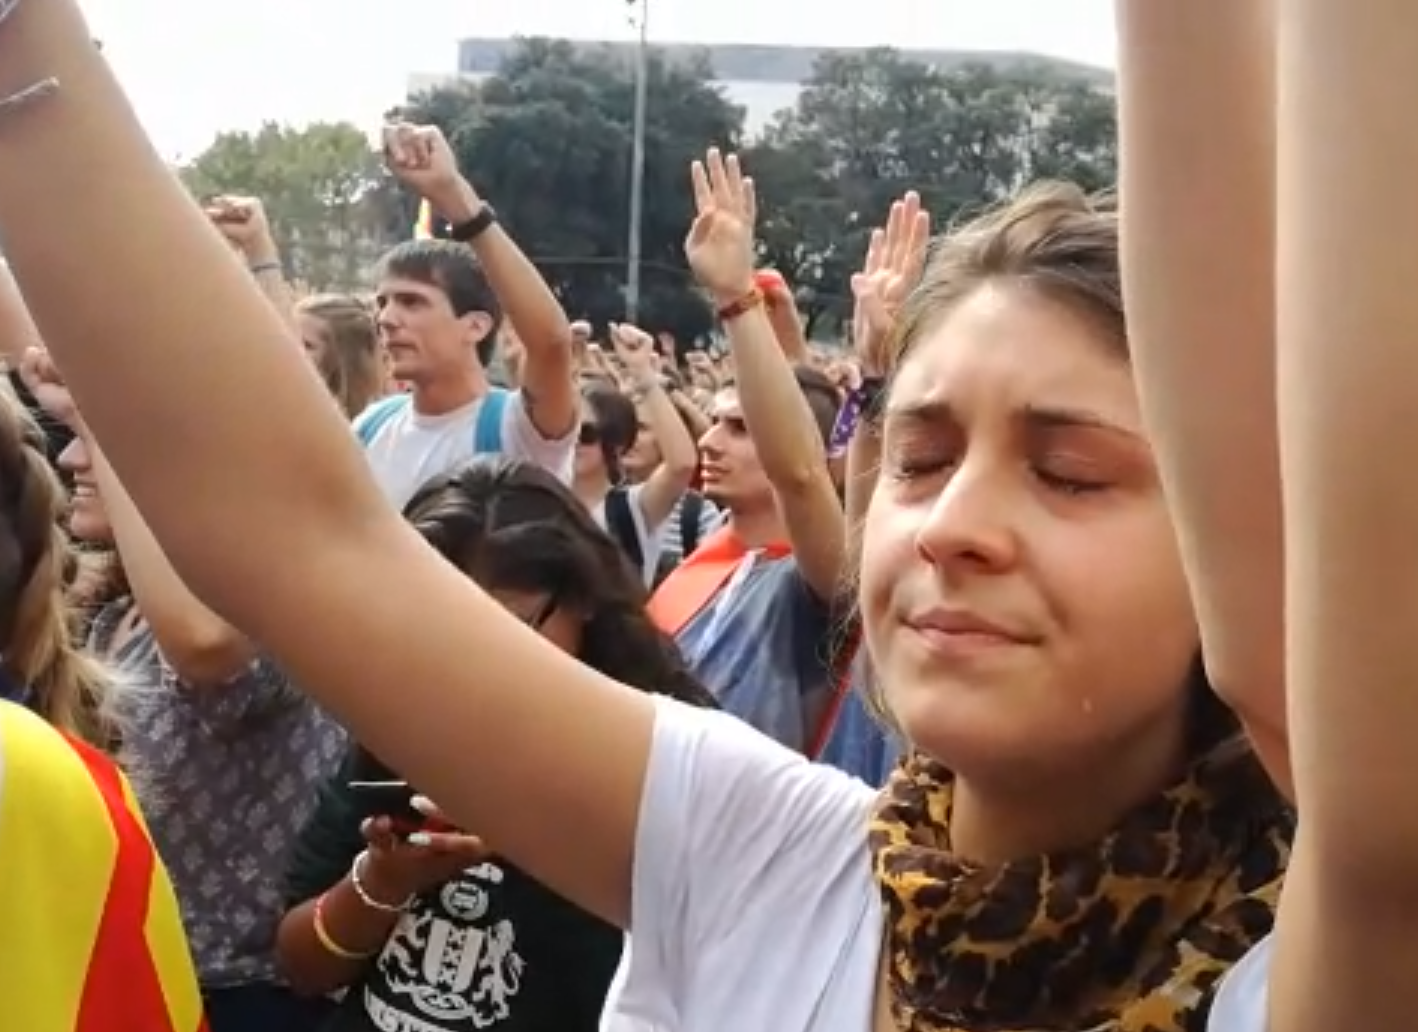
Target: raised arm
{"points": [[1348, 376], [1196, 92], [274, 521], [421, 157], [785, 434]]}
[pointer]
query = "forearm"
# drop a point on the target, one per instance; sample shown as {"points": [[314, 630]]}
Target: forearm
{"points": [[1197, 127], [784, 432], [221, 344], [526, 300], [678, 451], [201, 647], [309, 964]]}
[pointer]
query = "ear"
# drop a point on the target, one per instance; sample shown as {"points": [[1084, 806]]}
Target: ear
{"points": [[476, 326]]}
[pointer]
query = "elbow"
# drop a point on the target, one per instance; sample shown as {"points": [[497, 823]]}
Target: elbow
{"points": [[203, 652], [682, 467]]}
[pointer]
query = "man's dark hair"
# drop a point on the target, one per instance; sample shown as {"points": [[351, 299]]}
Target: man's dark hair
{"points": [[822, 397], [453, 269]]}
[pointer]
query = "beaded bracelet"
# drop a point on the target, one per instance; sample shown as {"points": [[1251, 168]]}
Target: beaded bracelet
{"points": [[357, 880], [742, 306], [328, 941]]}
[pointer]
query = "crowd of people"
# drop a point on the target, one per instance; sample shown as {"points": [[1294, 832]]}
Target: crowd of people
{"points": [[431, 661]]}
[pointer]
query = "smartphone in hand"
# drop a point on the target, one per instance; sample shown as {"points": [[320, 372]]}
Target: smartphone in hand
{"points": [[391, 799]]}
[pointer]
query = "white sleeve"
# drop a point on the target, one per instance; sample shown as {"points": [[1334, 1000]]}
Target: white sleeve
{"points": [[1241, 1001], [649, 537], [522, 440], [730, 818]]}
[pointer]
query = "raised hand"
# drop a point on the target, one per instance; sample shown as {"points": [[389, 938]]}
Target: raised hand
{"points": [[636, 350], [420, 158], [242, 221], [397, 868], [42, 379], [895, 257], [720, 242]]}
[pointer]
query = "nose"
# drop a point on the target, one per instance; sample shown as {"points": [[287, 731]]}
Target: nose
{"points": [[75, 457], [972, 523], [709, 443]]}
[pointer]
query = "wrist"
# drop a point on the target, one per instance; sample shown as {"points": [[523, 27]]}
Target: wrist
{"points": [[459, 204], [382, 890], [732, 296], [262, 252]]}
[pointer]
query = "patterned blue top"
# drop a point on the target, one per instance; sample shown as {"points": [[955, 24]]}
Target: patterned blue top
{"points": [[230, 774]]}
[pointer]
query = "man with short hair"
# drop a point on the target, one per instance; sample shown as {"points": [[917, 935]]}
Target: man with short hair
{"points": [[441, 304]]}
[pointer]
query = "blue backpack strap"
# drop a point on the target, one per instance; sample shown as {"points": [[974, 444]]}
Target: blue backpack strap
{"points": [[372, 420], [487, 437]]}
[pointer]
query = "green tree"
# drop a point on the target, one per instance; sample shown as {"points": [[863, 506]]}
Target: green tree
{"points": [[548, 141], [330, 202], [869, 126]]}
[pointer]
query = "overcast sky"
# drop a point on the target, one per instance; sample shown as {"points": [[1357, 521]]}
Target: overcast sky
{"points": [[195, 67]]}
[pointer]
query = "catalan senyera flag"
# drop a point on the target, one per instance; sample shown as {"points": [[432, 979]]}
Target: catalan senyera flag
{"points": [[423, 228], [90, 935]]}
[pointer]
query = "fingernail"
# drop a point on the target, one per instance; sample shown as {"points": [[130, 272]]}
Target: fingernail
{"points": [[423, 804], [420, 838]]}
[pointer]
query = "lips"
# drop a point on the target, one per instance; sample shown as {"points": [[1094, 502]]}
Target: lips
{"points": [[961, 634]]}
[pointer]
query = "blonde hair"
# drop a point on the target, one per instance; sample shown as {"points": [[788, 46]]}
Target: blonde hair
{"points": [[38, 649], [352, 364]]}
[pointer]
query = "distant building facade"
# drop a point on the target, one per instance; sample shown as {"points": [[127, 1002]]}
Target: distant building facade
{"points": [[763, 80]]}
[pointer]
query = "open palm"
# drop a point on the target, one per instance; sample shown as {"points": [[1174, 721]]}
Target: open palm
{"points": [[895, 257], [720, 242]]}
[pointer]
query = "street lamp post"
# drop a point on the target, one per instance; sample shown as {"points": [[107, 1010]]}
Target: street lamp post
{"points": [[637, 168]]}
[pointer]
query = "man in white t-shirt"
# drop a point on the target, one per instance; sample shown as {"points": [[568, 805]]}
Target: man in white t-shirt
{"points": [[440, 308]]}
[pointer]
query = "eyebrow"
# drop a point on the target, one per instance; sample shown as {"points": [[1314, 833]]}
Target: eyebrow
{"points": [[1036, 417]]}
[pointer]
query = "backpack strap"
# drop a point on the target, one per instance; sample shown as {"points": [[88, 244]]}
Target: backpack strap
{"points": [[373, 419], [621, 524], [842, 659], [691, 512], [487, 435]]}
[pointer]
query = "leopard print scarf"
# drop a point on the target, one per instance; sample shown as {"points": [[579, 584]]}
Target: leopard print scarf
{"points": [[1132, 935]]}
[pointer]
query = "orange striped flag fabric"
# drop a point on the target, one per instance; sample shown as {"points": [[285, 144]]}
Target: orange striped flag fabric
{"points": [[90, 935]]}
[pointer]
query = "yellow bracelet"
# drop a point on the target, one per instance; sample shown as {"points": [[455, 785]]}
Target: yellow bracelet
{"points": [[328, 941]]}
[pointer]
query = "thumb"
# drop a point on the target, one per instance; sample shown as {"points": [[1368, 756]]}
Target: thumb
{"points": [[699, 231]]}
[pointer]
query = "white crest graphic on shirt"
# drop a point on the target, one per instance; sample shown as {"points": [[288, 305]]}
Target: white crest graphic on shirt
{"points": [[451, 974]]}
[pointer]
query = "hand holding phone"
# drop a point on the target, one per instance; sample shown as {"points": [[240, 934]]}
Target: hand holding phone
{"points": [[392, 800], [415, 851]]}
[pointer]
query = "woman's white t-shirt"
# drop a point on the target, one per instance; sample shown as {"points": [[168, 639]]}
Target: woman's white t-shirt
{"points": [[753, 904], [1241, 1001]]}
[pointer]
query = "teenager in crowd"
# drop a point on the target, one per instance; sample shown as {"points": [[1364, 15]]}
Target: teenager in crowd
{"points": [[442, 934], [633, 513], [343, 343], [440, 305], [89, 928]]}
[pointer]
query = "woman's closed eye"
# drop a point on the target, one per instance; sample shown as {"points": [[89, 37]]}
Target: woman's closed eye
{"points": [[1071, 476]]}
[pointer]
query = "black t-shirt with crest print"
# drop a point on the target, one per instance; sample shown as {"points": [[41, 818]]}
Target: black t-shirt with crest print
{"points": [[489, 950]]}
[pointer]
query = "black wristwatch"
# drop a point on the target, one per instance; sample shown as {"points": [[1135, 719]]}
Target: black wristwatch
{"points": [[468, 231]]}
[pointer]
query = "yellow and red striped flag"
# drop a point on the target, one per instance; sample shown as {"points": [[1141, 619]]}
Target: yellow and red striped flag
{"points": [[91, 939], [423, 228]]}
